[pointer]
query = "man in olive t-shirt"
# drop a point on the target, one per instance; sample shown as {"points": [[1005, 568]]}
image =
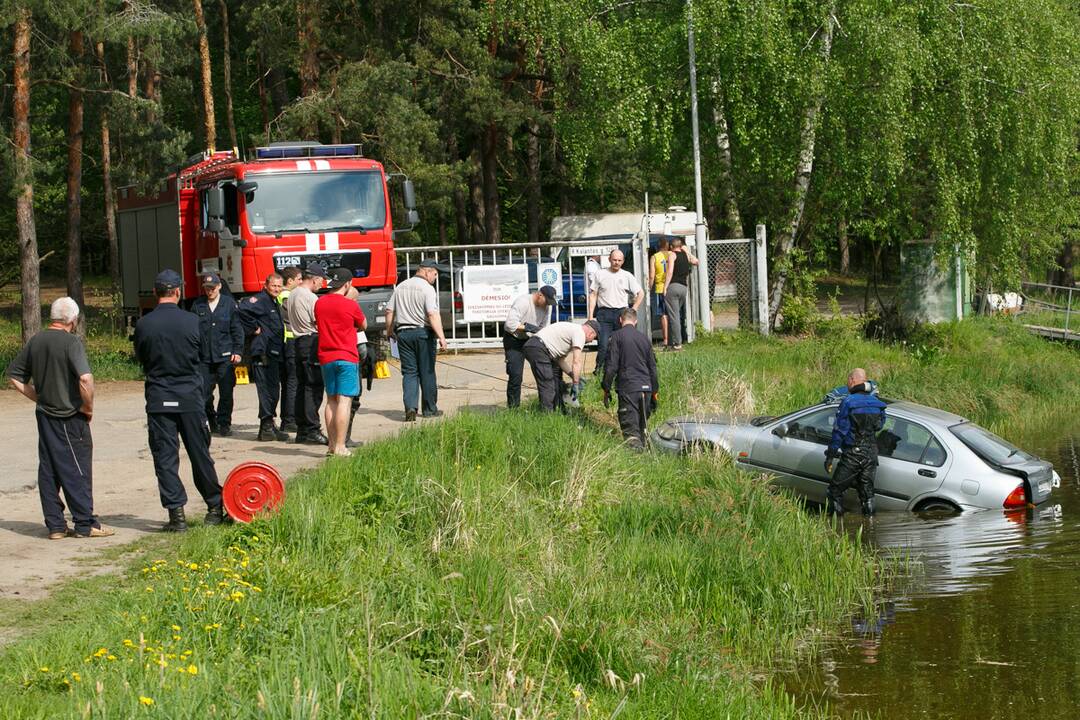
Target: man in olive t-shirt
{"points": [[52, 370]]}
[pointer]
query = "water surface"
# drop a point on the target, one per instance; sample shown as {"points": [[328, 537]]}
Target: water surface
{"points": [[987, 626]]}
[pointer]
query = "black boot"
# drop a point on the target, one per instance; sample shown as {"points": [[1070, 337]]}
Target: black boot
{"points": [[177, 521], [834, 505], [868, 507], [266, 430], [215, 515], [279, 433]]}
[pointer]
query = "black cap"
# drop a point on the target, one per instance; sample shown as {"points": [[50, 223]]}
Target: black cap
{"points": [[167, 280], [339, 276], [549, 294], [594, 325], [315, 269], [429, 264], [210, 278]]}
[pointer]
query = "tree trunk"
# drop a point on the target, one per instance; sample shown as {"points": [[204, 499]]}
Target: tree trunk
{"points": [[279, 90], [535, 192], [307, 19], [845, 248], [74, 178], [30, 274], [106, 179], [476, 199], [804, 169], [562, 174], [210, 124], [732, 217], [152, 88], [264, 98], [489, 162], [1063, 274], [461, 212], [132, 67], [226, 66]]}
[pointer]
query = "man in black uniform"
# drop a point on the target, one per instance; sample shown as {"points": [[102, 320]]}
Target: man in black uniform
{"points": [[167, 347], [630, 362], [261, 316], [221, 345]]}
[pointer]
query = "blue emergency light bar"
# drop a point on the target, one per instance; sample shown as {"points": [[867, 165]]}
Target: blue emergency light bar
{"points": [[287, 151]]}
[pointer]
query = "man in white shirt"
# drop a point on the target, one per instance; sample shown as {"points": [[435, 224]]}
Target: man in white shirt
{"points": [[413, 320], [556, 349], [608, 297], [528, 315]]}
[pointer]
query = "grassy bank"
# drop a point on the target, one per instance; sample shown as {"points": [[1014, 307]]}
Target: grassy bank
{"points": [[989, 370], [468, 568], [109, 352]]}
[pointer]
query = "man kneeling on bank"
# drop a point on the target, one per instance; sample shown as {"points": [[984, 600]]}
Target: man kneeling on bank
{"points": [[632, 365]]}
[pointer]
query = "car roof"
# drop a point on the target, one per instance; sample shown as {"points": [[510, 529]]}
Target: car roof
{"points": [[925, 412]]}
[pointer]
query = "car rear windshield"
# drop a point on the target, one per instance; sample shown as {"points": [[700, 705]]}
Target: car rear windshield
{"points": [[989, 446]]}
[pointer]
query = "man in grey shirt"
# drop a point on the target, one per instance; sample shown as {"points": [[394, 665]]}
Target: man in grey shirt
{"points": [[608, 297], [556, 349], [413, 321], [528, 314], [309, 382], [52, 370]]}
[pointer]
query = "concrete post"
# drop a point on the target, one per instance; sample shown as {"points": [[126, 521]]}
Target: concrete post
{"points": [[761, 281]]}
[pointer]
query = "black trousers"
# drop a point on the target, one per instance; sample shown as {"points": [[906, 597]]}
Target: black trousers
{"points": [[514, 350], [608, 320], [416, 350], [65, 462], [856, 468], [289, 382], [221, 376], [547, 373], [309, 384], [266, 372], [163, 429], [634, 410]]}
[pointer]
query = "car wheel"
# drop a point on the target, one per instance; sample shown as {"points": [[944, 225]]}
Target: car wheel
{"points": [[937, 505]]}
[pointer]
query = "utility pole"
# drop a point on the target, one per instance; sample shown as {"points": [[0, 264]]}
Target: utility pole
{"points": [[703, 293]]}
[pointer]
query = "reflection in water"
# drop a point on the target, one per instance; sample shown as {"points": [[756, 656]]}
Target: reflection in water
{"points": [[987, 625]]}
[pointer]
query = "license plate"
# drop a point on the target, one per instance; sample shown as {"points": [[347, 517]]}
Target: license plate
{"points": [[283, 261]]}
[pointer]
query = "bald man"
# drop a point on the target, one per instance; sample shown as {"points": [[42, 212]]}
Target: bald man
{"points": [[859, 419], [610, 293]]}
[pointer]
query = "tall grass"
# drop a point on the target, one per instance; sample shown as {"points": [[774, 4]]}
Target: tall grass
{"points": [[110, 353], [510, 565]]}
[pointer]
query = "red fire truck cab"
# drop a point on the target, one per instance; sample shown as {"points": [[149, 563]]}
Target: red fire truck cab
{"points": [[292, 204]]}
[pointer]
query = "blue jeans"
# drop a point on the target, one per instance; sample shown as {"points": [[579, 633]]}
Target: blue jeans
{"points": [[608, 320], [416, 349]]}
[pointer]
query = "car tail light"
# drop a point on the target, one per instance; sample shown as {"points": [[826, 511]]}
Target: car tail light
{"points": [[458, 304], [1017, 498]]}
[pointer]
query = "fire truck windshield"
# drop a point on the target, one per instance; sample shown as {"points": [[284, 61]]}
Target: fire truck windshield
{"points": [[316, 202]]}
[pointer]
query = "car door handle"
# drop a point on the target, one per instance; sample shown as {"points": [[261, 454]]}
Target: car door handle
{"points": [[927, 473]]}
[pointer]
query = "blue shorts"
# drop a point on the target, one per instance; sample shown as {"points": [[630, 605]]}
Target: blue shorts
{"points": [[658, 307], [341, 377]]}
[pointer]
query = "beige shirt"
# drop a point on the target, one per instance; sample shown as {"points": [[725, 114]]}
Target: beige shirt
{"points": [[412, 300], [301, 311], [615, 289], [561, 338]]}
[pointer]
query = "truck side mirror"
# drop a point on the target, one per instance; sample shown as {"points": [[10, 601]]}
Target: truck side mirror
{"points": [[247, 189], [409, 192], [412, 217], [215, 203], [215, 224]]}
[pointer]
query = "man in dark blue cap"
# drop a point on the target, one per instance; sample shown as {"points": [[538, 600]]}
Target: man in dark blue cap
{"points": [[265, 328], [413, 320], [528, 314], [221, 343], [167, 346]]}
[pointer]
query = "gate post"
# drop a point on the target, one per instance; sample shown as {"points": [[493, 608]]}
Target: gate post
{"points": [[705, 293], [761, 281]]}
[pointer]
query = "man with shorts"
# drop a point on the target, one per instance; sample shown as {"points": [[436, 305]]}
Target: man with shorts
{"points": [[337, 319]]}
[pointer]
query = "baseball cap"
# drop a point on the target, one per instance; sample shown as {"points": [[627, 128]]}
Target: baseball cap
{"points": [[210, 278], [429, 264], [549, 294], [315, 269], [167, 280], [339, 276]]}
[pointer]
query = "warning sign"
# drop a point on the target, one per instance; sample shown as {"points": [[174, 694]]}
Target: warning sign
{"points": [[488, 290]]}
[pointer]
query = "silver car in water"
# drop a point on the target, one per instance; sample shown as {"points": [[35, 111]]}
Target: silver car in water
{"points": [[928, 459]]}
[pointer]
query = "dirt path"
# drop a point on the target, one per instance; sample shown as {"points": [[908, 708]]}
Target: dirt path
{"points": [[125, 492]]}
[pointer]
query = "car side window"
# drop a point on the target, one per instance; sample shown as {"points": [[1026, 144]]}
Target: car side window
{"points": [[815, 427], [901, 439]]}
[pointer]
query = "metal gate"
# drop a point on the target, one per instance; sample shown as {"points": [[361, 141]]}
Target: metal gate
{"points": [[734, 274], [564, 265]]}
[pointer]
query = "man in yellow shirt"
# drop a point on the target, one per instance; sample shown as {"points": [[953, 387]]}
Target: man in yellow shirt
{"points": [[657, 275]]}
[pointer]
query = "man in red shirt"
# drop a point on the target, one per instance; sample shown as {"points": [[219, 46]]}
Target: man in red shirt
{"points": [[338, 318]]}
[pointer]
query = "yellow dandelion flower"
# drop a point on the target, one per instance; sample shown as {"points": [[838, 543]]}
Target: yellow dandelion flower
{"points": [[143, 618], [44, 668], [128, 643], [162, 662], [146, 701], [193, 566], [101, 652], [193, 670], [149, 589], [237, 596], [110, 657], [175, 627], [76, 676]]}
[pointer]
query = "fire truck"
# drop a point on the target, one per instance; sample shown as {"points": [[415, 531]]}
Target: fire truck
{"points": [[289, 205]]}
